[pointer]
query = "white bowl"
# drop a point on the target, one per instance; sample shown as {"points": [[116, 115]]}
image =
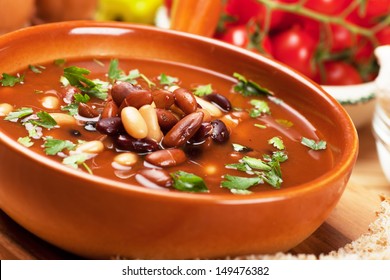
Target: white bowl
{"points": [[358, 100]]}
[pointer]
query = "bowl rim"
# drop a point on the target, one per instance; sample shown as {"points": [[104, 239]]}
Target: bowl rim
{"points": [[347, 159]]}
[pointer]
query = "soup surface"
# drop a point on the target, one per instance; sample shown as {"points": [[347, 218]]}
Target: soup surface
{"points": [[162, 125]]}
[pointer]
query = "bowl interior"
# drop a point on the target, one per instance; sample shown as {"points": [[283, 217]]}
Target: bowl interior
{"points": [[93, 39]]}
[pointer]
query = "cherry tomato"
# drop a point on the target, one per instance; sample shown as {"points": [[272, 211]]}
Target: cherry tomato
{"points": [[340, 38], [243, 10], [295, 48], [383, 36], [329, 7], [369, 12], [241, 35], [340, 73], [364, 51]]}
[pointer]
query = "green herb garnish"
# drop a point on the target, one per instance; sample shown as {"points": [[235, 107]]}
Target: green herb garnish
{"points": [[10, 81], [25, 141], [188, 182], [44, 120], [248, 87], [259, 107], [167, 80], [53, 146], [312, 144], [36, 68], [76, 77], [241, 148], [235, 183], [76, 160], [203, 90], [18, 114], [277, 142]]}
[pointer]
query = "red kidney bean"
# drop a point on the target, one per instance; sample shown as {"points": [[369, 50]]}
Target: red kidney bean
{"points": [[185, 100], [183, 130], [157, 176], [87, 111], [166, 119], [166, 158], [163, 98], [137, 99], [120, 90], [205, 130], [110, 126], [127, 143], [220, 132], [110, 110], [221, 101]]}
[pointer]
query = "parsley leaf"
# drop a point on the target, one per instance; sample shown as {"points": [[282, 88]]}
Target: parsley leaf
{"points": [[203, 90], [259, 107], [53, 146], [9, 80], [114, 73], [78, 97], [44, 120], [25, 141], [77, 159], [184, 181], [277, 142], [76, 77], [167, 80], [312, 144], [248, 87], [18, 114], [36, 68], [241, 148], [239, 183], [256, 163]]}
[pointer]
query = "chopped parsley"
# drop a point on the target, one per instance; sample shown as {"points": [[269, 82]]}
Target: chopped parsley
{"points": [[167, 80], [54, 146], [25, 141], [249, 88], [237, 184], [189, 182], [259, 107], [36, 68], [263, 170], [241, 148], [44, 120], [19, 114], [10, 81], [59, 62], [277, 142], [203, 90], [312, 144], [76, 77], [78, 159]]}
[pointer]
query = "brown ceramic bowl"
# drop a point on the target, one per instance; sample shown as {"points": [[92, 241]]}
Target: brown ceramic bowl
{"points": [[99, 218]]}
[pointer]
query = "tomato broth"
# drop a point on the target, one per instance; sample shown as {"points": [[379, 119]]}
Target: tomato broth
{"points": [[236, 138]]}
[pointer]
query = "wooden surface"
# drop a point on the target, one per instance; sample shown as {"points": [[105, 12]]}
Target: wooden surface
{"points": [[350, 219]]}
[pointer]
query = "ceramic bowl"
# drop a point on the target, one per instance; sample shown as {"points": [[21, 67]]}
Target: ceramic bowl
{"points": [[358, 100], [100, 218]]}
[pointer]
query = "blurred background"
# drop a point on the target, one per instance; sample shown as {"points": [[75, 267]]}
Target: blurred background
{"points": [[329, 41]]}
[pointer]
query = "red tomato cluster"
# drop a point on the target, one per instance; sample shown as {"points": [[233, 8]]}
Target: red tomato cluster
{"points": [[326, 53]]}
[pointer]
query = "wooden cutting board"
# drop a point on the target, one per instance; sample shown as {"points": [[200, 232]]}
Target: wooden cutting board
{"points": [[349, 220]]}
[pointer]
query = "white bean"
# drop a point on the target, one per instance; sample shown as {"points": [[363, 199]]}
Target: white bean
{"points": [[134, 123], [5, 109], [63, 119], [150, 116], [126, 159], [50, 102], [91, 147], [211, 108]]}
